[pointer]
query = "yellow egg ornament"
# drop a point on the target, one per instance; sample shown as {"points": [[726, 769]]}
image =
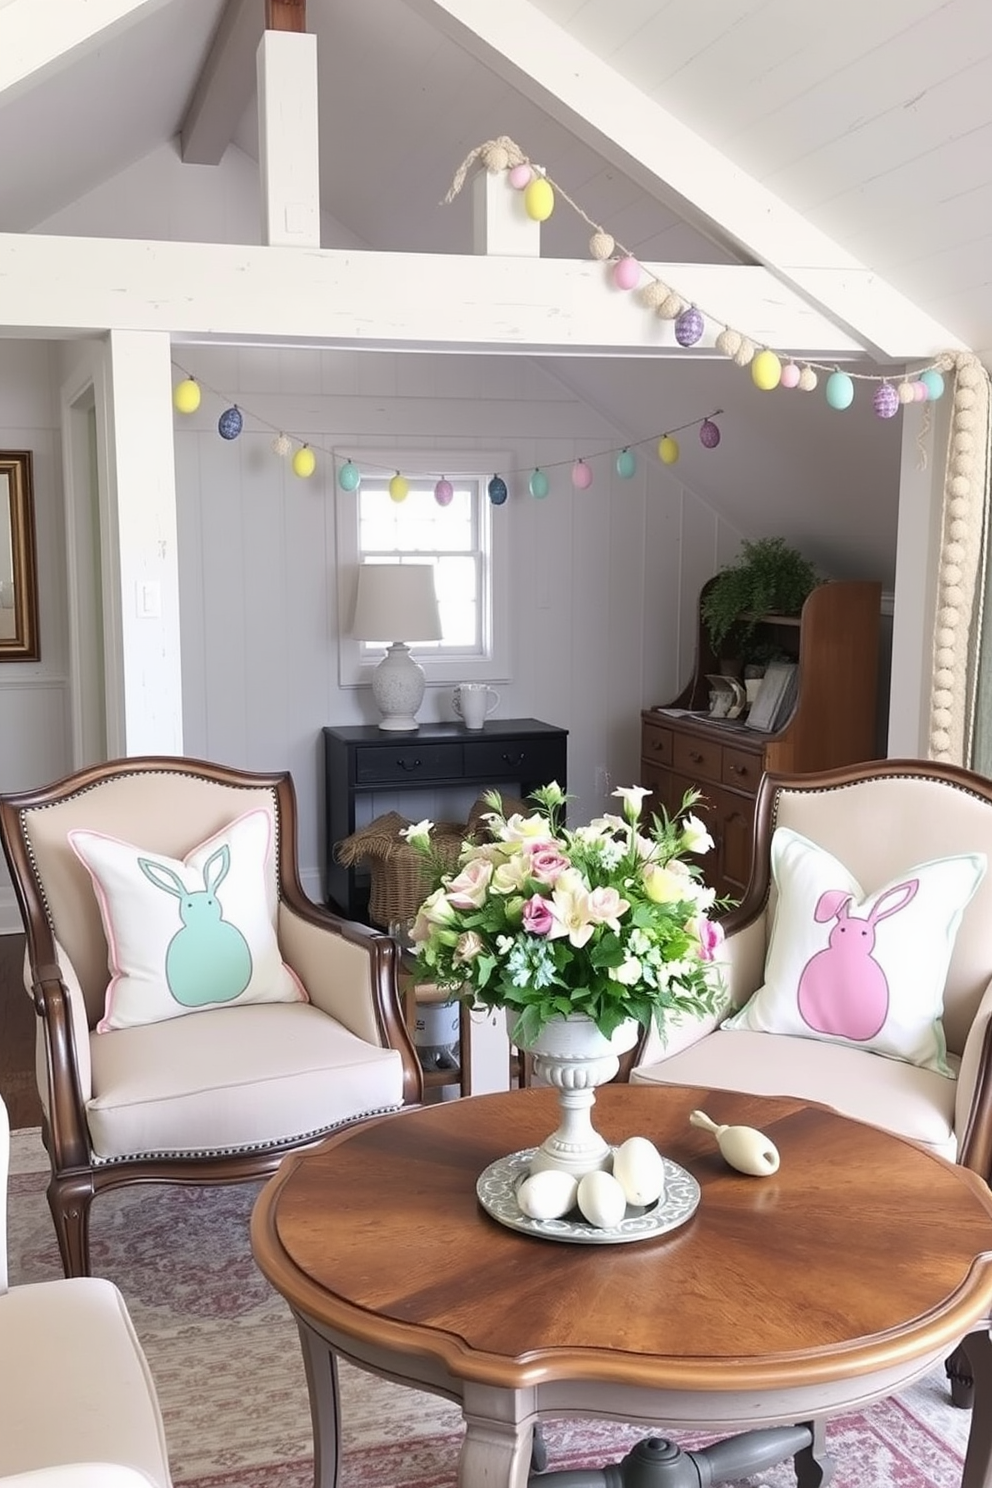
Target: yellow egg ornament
{"points": [[668, 450], [539, 199], [766, 371], [399, 488], [186, 397], [304, 462]]}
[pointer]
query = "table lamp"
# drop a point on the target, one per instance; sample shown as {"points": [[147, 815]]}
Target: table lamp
{"points": [[397, 599]]}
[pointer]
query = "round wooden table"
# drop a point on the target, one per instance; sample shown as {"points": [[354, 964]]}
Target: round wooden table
{"points": [[853, 1270]]}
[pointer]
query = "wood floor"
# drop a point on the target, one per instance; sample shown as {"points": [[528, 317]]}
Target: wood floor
{"points": [[17, 1031]]}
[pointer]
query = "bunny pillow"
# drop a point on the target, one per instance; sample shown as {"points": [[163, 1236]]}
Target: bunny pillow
{"points": [[187, 935], [866, 970]]}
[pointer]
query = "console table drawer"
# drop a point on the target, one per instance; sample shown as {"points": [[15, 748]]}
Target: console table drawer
{"points": [[494, 760], [656, 744], [742, 769], [395, 763], [700, 759]]}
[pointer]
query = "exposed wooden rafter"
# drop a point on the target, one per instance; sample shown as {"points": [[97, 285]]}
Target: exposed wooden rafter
{"points": [[285, 15]]}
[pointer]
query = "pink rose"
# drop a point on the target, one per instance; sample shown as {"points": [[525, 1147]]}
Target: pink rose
{"points": [[546, 863], [710, 937], [538, 919], [468, 889]]}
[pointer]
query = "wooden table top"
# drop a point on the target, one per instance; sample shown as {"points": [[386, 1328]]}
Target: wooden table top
{"points": [[860, 1252]]}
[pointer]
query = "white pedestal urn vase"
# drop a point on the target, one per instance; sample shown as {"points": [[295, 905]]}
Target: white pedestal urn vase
{"points": [[571, 1054]]}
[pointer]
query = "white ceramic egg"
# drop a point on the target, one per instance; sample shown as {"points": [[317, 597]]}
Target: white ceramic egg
{"points": [[602, 1200], [640, 1170], [547, 1195]]}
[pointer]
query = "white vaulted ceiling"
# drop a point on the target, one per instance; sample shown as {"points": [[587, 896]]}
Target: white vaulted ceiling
{"points": [[846, 147]]}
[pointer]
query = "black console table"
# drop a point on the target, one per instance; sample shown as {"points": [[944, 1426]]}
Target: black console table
{"points": [[362, 759]]}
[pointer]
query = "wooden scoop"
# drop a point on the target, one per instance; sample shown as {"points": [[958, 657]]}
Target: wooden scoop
{"points": [[744, 1148]]}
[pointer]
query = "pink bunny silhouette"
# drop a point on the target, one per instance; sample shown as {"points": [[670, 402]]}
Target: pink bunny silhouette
{"points": [[843, 992]]}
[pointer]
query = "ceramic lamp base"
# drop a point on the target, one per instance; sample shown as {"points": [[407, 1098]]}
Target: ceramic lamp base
{"points": [[398, 684]]}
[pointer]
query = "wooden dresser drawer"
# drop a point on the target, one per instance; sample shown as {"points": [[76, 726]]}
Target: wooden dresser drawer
{"points": [[656, 743], [700, 759], [394, 763], [742, 768]]}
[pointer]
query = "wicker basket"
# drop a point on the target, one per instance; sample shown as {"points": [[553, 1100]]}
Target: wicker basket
{"points": [[400, 877]]}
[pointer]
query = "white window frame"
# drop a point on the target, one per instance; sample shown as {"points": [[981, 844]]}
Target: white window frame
{"points": [[493, 663]]}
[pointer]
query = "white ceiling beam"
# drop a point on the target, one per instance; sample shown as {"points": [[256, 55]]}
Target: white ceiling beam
{"points": [[648, 143], [309, 296], [33, 43], [224, 88]]}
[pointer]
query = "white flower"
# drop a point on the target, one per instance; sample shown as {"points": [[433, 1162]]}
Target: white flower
{"points": [[695, 837], [419, 834], [632, 797]]}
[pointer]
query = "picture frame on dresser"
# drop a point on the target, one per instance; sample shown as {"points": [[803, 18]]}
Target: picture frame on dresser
{"points": [[772, 705]]}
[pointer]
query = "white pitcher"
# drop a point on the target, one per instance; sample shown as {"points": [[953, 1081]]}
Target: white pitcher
{"points": [[473, 702]]}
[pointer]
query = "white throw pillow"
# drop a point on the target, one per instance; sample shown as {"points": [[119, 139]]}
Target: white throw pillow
{"points": [[856, 968], [184, 936]]}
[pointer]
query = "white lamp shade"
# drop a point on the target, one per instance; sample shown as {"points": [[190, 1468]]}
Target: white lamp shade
{"points": [[396, 602]]}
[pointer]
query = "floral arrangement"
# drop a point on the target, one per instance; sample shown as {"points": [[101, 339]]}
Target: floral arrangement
{"points": [[609, 919]]}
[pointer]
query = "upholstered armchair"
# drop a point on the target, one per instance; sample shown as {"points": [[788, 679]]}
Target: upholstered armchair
{"points": [[866, 927], [76, 1383], [198, 1015]]}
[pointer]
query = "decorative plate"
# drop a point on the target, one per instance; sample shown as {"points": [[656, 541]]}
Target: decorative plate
{"points": [[497, 1193]]}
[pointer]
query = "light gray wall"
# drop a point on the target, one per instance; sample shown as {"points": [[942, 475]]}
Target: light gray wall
{"points": [[604, 582]]}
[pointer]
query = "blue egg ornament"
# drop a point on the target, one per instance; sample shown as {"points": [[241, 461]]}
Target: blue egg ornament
{"points": [[230, 423], [349, 476], [626, 464], [497, 490], [539, 485]]}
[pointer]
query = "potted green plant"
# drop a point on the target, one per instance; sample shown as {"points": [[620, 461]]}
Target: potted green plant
{"points": [[767, 577]]}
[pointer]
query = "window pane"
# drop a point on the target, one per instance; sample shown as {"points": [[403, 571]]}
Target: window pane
{"points": [[420, 530]]}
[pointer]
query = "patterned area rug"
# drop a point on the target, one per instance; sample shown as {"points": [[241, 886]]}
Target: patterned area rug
{"points": [[226, 1360]]}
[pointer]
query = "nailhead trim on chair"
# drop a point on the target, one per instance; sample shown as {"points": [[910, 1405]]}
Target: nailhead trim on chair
{"points": [[288, 1142]]}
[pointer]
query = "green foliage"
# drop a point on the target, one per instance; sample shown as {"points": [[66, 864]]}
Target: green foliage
{"points": [[767, 577]]}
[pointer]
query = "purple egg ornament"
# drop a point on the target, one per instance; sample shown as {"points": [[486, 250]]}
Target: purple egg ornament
{"points": [[885, 401], [709, 434], [443, 492], [689, 327]]}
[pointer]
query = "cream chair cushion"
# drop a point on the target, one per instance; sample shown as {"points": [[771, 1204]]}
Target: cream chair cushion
{"points": [[915, 1102], [233, 1078], [75, 1381]]}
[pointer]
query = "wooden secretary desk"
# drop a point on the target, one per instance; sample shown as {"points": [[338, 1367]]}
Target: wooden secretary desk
{"points": [[833, 722]]}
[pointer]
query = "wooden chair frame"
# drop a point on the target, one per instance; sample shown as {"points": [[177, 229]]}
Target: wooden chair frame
{"points": [[75, 1178]]}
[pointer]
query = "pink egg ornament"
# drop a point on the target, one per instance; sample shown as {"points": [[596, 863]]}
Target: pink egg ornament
{"points": [[520, 176], [626, 273], [790, 376], [581, 476]]}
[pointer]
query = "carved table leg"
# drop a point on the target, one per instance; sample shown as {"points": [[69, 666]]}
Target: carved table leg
{"points": [[498, 1443], [321, 1368], [978, 1457], [958, 1371]]}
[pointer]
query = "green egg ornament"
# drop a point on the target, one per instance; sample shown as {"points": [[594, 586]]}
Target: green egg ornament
{"points": [[839, 390]]}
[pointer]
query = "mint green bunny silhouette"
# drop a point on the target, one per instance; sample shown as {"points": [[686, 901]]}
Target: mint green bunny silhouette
{"points": [[208, 959]]}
